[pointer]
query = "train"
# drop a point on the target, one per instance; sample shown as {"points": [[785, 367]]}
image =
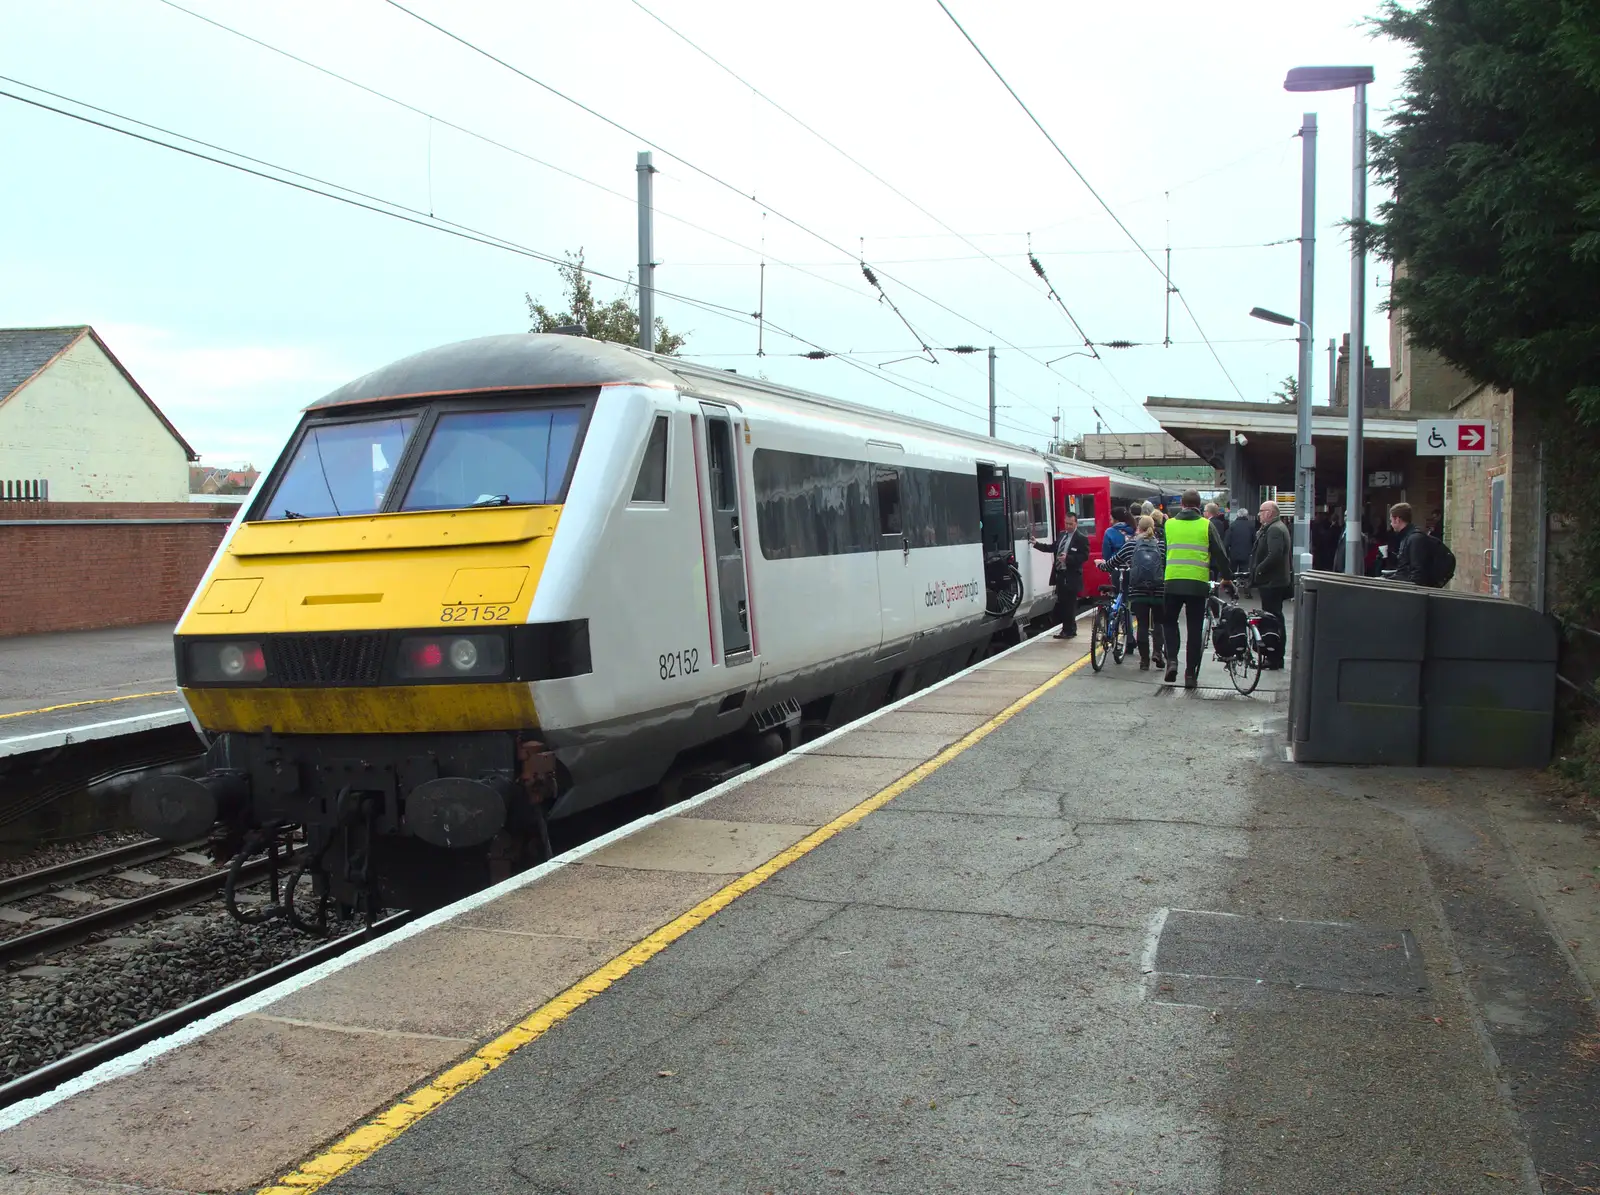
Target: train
{"points": [[503, 582]]}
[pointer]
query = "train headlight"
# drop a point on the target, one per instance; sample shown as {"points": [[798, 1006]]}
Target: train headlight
{"points": [[449, 657], [227, 662]]}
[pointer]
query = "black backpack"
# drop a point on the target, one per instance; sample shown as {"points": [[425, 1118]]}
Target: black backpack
{"points": [[1438, 563], [1146, 568]]}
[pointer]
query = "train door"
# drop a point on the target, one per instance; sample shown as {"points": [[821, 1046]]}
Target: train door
{"points": [[729, 582], [1036, 565], [1090, 499], [994, 517], [896, 582]]}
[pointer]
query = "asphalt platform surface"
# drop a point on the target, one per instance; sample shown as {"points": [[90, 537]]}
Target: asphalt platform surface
{"points": [[70, 679], [1117, 945]]}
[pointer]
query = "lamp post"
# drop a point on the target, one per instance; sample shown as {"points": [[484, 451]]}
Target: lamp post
{"points": [[1305, 453], [1337, 78]]}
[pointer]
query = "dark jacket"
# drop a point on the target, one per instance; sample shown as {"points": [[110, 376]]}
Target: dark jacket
{"points": [[1411, 554], [1219, 560], [1147, 593], [1271, 560], [1220, 522], [1241, 541], [1071, 553]]}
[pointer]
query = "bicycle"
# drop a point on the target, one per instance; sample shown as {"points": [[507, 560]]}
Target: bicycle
{"points": [[1242, 665], [1002, 586], [1112, 630]]}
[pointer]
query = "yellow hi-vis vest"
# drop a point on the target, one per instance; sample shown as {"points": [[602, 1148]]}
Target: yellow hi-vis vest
{"points": [[1189, 549]]}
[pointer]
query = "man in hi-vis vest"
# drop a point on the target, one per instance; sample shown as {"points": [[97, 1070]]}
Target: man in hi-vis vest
{"points": [[1194, 553]]}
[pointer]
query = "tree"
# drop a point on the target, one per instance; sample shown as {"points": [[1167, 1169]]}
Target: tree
{"points": [[1494, 158], [1288, 390], [1493, 155], [616, 321]]}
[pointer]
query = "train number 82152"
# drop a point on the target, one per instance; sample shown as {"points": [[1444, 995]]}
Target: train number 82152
{"points": [[680, 663]]}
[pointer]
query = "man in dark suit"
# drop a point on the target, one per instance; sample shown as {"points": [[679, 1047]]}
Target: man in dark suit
{"points": [[1071, 554]]}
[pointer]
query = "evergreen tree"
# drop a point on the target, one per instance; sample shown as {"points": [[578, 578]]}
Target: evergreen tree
{"points": [[616, 321]]}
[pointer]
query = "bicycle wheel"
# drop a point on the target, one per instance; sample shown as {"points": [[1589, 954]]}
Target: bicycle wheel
{"points": [[1244, 669], [1099, 639], [1121, 635], [1006, 594]]}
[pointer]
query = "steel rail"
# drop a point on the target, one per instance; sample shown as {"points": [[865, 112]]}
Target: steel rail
{"points": [[126, 913], [33, 883], [53, 1074]]}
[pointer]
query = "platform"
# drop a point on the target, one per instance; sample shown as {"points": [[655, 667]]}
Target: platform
{"points": [[79, 686], [1037, 929]]}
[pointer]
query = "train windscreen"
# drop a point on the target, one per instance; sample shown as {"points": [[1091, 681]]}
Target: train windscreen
{"points": [[496, 458], [341, 469]]}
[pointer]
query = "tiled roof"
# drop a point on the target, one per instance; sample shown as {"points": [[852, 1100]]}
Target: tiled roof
{"points": [[25, 351]]}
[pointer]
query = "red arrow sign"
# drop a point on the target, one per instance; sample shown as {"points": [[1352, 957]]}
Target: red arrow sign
{"points": [[1470, 437]]}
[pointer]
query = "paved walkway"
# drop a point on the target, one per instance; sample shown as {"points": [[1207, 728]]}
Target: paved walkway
{"points": [[114, 680], [1104, 940], [1118, 945]]}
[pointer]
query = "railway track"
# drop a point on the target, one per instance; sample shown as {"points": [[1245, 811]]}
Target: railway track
{"points": [[81, 1061], [165, 896]]}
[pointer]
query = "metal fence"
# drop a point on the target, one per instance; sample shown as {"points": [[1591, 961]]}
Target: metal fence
{"points": [[30, 490]]}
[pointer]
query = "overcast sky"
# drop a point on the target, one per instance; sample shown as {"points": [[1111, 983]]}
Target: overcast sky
{"points": [[236, 301]]}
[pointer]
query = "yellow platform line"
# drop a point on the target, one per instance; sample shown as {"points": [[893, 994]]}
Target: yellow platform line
{"points": [[372, 1136], [73, 705]]}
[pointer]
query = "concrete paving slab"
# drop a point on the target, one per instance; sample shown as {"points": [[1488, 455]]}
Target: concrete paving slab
{"points": [[35, 1182], [831, 771], [807, 805], [915, 721], [968, 701], [883, 744], [231, 1110], [700, 845], [596, 903], [465, 983]]}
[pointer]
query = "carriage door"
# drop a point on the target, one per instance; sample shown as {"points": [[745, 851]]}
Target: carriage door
{"points": [[732, 597]]}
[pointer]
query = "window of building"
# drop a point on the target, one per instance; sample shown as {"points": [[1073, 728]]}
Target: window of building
{"points": [[887, 484], [651, 484]]}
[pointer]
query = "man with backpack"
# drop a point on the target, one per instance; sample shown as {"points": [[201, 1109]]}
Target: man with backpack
{"points": [[1421, 559]]}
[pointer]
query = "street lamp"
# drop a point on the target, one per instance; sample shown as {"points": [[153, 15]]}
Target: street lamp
{"points": [[1305, 455], [1337, 78]]}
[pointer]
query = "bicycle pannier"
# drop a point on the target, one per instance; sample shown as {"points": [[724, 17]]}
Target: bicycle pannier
{"points": [[1232, 632]]}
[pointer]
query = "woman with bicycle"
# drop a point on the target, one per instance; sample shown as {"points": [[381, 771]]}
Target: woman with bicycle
{"points": [[1142, 562]]}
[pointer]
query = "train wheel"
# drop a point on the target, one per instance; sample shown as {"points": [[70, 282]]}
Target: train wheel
{"points": [[1099, 639]]}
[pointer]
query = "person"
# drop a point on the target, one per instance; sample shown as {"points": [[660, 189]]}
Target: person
{"points": [[1408, 550], [1436, 525], [1194, 555], [1272, 575], [1240, 543], [1145, 558], [1071, 552], [1149, 507], [1324, 541], [1118, 533], [1160, 518], [1218, 520]]}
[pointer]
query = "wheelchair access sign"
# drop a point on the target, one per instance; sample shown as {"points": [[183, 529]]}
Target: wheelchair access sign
{"points": [[1453, 437]]}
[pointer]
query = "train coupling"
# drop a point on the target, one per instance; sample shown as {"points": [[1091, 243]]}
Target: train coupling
{"points": [[183, 808]]}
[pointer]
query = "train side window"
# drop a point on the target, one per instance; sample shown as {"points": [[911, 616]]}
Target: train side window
{"points": [[1036, 510], [651, 485], [723, 493], [887, 483]]}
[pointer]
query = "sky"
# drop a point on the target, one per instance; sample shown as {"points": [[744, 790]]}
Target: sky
{"points": [[236, 301]]}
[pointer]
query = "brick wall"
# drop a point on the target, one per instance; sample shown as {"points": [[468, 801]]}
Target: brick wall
{"points": [[1469, 527], [99, 566]]}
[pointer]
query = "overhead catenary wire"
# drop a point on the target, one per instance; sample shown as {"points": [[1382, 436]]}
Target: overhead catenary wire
{"points": [[700, 170], [1116, 219], [313, 185]]}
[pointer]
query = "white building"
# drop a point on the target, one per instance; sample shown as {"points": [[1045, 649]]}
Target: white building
{"points": [[73, 419]]}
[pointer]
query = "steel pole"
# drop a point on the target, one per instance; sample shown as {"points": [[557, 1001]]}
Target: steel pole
{"points": [[1354, 551], [991, 391], [1305, 490], [647, 257]]}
